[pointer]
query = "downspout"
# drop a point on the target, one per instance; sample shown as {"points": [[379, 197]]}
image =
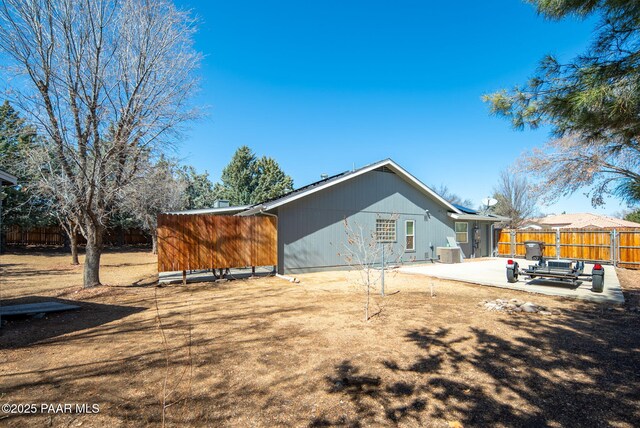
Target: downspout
{"points": [[493, 252]]}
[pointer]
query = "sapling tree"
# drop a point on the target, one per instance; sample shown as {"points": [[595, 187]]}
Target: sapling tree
{"points": [[363, 251]]}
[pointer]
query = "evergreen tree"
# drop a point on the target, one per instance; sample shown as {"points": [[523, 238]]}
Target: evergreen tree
{"points": [[199, 189], [21, 205], [591, 103], [272, 182], [248, 180], [633, 216]]}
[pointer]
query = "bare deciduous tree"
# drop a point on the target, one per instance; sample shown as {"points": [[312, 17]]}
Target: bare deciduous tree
{"points": [[107, 82], [158, 189], [451, 197], [570, 163], [515, 199]]}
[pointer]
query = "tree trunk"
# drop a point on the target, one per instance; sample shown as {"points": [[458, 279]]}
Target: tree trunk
{"points": [[92, 257], [73, 238], [154, 242]]}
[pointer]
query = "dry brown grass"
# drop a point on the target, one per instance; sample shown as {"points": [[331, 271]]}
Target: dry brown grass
{"points": [[270, 353]]}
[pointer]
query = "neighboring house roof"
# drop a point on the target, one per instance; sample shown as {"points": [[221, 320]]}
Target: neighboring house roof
{"points": [[580, 221], [339, 178], [7, 179]]}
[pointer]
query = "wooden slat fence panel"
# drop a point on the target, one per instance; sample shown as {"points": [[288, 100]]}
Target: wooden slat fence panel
{"points": [[203, 241], [504, 242], [628, 248], [617, 246], [505, 246], [55, 236], [586, 244], [546, 236], [35, 236]]}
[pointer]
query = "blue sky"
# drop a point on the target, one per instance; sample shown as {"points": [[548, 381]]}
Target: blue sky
{"points": [[323, 86]]}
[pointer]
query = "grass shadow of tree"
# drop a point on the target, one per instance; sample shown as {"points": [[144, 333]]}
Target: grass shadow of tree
{"points": [[576, 370]]}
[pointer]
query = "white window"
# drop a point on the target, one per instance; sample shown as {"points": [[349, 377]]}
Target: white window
{"points": [[385, 230], [462, 232], [410, 233]]}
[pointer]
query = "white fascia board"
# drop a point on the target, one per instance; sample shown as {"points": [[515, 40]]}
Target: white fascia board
{"points": [[476, 217], [387, 162], [221, 210]]}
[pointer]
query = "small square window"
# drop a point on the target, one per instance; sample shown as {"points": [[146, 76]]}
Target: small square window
{"points": [[385, 230], [462, 232]]}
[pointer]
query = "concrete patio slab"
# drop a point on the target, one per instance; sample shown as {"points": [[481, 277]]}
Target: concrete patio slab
{"points": [[492, 272], [207, 276]]}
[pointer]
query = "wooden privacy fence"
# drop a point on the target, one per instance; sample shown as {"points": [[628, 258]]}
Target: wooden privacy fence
{"points": [[204, 241], [55, 236], [52, 235], [620, 247]]}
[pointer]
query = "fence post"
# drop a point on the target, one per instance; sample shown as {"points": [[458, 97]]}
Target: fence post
{"points": [[557, 244], [613, 247], [616, 248], [512, 243]]}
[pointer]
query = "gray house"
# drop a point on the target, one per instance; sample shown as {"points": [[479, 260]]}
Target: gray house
{"points": [[6, 179], [381, 197]]}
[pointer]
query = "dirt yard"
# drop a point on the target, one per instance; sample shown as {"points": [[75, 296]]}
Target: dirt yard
{"points": [[266, 352]]}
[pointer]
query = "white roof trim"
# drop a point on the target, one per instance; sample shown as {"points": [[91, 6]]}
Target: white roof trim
{"points": [[387, 162], [5, 176], [477, 217], [220, 210]]}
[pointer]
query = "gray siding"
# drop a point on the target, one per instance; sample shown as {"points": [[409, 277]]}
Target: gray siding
{"points": [[483, 249], [311, 232]]}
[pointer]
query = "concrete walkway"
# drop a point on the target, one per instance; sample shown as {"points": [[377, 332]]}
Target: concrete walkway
{"points": [[492, 272]]}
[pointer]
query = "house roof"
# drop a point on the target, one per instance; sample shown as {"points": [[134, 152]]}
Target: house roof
{"points": [[465, 209], [348, 175], [581, 220], [7, 179], [455, 211]]}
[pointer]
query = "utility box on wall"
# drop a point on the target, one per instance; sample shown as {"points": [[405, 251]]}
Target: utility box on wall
{"points": [[448, 254]]}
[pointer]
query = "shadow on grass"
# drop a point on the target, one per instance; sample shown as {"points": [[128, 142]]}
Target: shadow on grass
{"points": [[582, 370], [22, 331]]}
